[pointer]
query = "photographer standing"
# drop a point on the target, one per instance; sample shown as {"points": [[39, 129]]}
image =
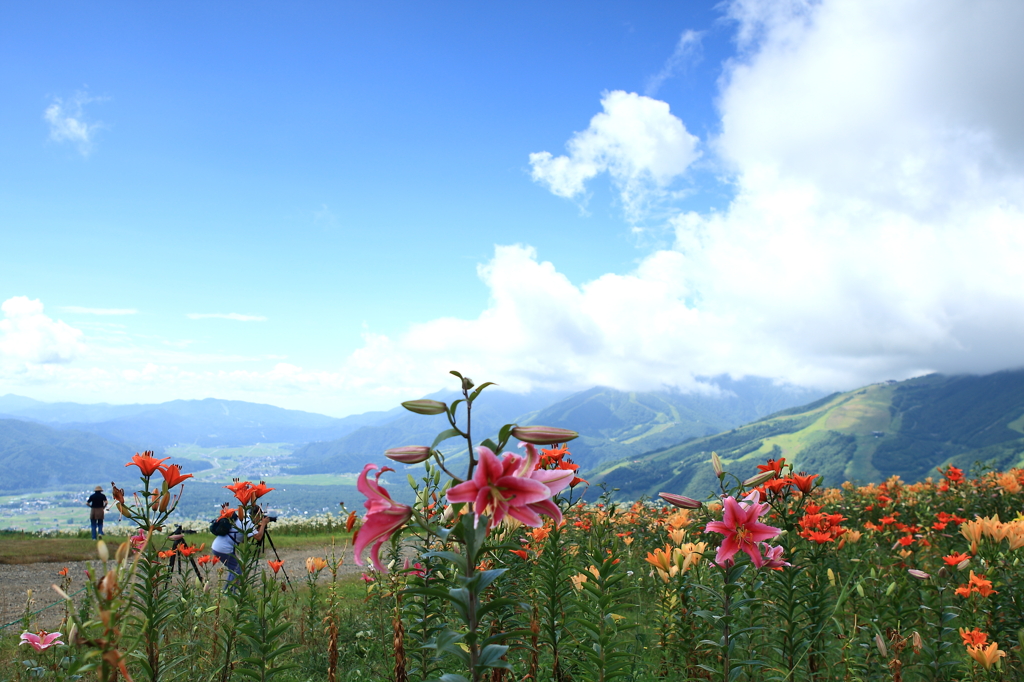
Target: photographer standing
{"points": [[223, 546], [97, 506]]}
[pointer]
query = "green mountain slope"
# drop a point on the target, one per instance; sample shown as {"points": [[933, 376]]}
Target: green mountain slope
{"points": [[34, 457], [612, 424], [906, 429]]}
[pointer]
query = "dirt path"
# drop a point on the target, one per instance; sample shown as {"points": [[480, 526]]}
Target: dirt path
{"points": [[16, 579]]}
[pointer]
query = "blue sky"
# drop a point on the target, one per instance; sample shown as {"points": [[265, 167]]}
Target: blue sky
{"points": [[782, 189]]}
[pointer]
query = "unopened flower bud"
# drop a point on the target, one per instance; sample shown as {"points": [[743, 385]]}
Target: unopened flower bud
{"points": [[920, 575], [680, 501], [428, 407], [543, 435], [716, 464], [102, 551], [467, 383], [762, 477], [409, 454], [962, 566], [880, 643]]}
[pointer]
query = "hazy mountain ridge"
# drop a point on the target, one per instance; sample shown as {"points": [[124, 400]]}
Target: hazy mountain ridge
{"points": [[612, 424], [33, 456], [350, 453], [207, 422], [907, 429]]}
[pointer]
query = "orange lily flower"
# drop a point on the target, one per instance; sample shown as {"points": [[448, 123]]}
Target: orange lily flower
{"points": [[187, 551], [276, 565], [986, 656], [955, 559], [172, 475], [147, 463], [973, 637]]}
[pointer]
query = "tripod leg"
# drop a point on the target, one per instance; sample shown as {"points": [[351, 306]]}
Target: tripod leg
{"points": [[269, 539]]}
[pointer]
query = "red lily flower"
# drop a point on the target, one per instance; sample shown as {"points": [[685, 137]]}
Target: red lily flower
{"points": [[773, 465], [804, 483], [243, 491], [260, 490], [172, 474], [147, 463]]}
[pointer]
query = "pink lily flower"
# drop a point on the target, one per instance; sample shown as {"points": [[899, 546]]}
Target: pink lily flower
{"points": [[41, 641], [556, 480], [773, 556], [741, 529], [384, 516], [510, 486]]}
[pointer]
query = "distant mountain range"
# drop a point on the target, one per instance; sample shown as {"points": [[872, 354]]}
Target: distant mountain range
{"points": [[209, 422], [36, 457], [640, 443], [907, 428], [612, 424]]}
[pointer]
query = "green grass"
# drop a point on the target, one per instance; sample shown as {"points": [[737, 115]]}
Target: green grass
{"points": [[27, 548]]}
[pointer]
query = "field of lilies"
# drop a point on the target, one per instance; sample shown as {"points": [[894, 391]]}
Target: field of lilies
{"points": [[500, 573]]}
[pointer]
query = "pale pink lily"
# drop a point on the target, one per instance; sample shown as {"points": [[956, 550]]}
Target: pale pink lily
{"points": [[41, 640], [510, 486], [773, 557], [556, 480], [741, 529], [384, 516]]}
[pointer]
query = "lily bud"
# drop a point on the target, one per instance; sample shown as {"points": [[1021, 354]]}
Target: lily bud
{"points": [[122, 552], [409, 454], [880, 643], [680, 501], [102, 551], [762, 477], [920, 575], [425, 406], [108, 585], [543, 435], [716, 464], [467, 383]]}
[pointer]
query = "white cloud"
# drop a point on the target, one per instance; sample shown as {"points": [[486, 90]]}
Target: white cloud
{"points": [[29, 336], [635, 139], [68, 122], [79, 310], [226, 316], [877, 229], [688, 48]]}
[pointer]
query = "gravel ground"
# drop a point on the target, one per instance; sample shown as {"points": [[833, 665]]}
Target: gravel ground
{"points": [[16, 579]]}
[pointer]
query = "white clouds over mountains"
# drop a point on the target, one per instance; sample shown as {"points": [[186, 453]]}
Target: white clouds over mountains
{"points": [[29, 337], [877, 229], [636, 140], [875, 155]]}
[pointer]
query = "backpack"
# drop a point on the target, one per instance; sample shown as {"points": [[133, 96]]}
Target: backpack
{"points": [[221, 527]]}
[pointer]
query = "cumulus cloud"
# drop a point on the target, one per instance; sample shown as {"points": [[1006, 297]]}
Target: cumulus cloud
{"points": [[877, 228], [636, 140], [79, 310], [27, 335], [68, 122], [237, 317]]}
